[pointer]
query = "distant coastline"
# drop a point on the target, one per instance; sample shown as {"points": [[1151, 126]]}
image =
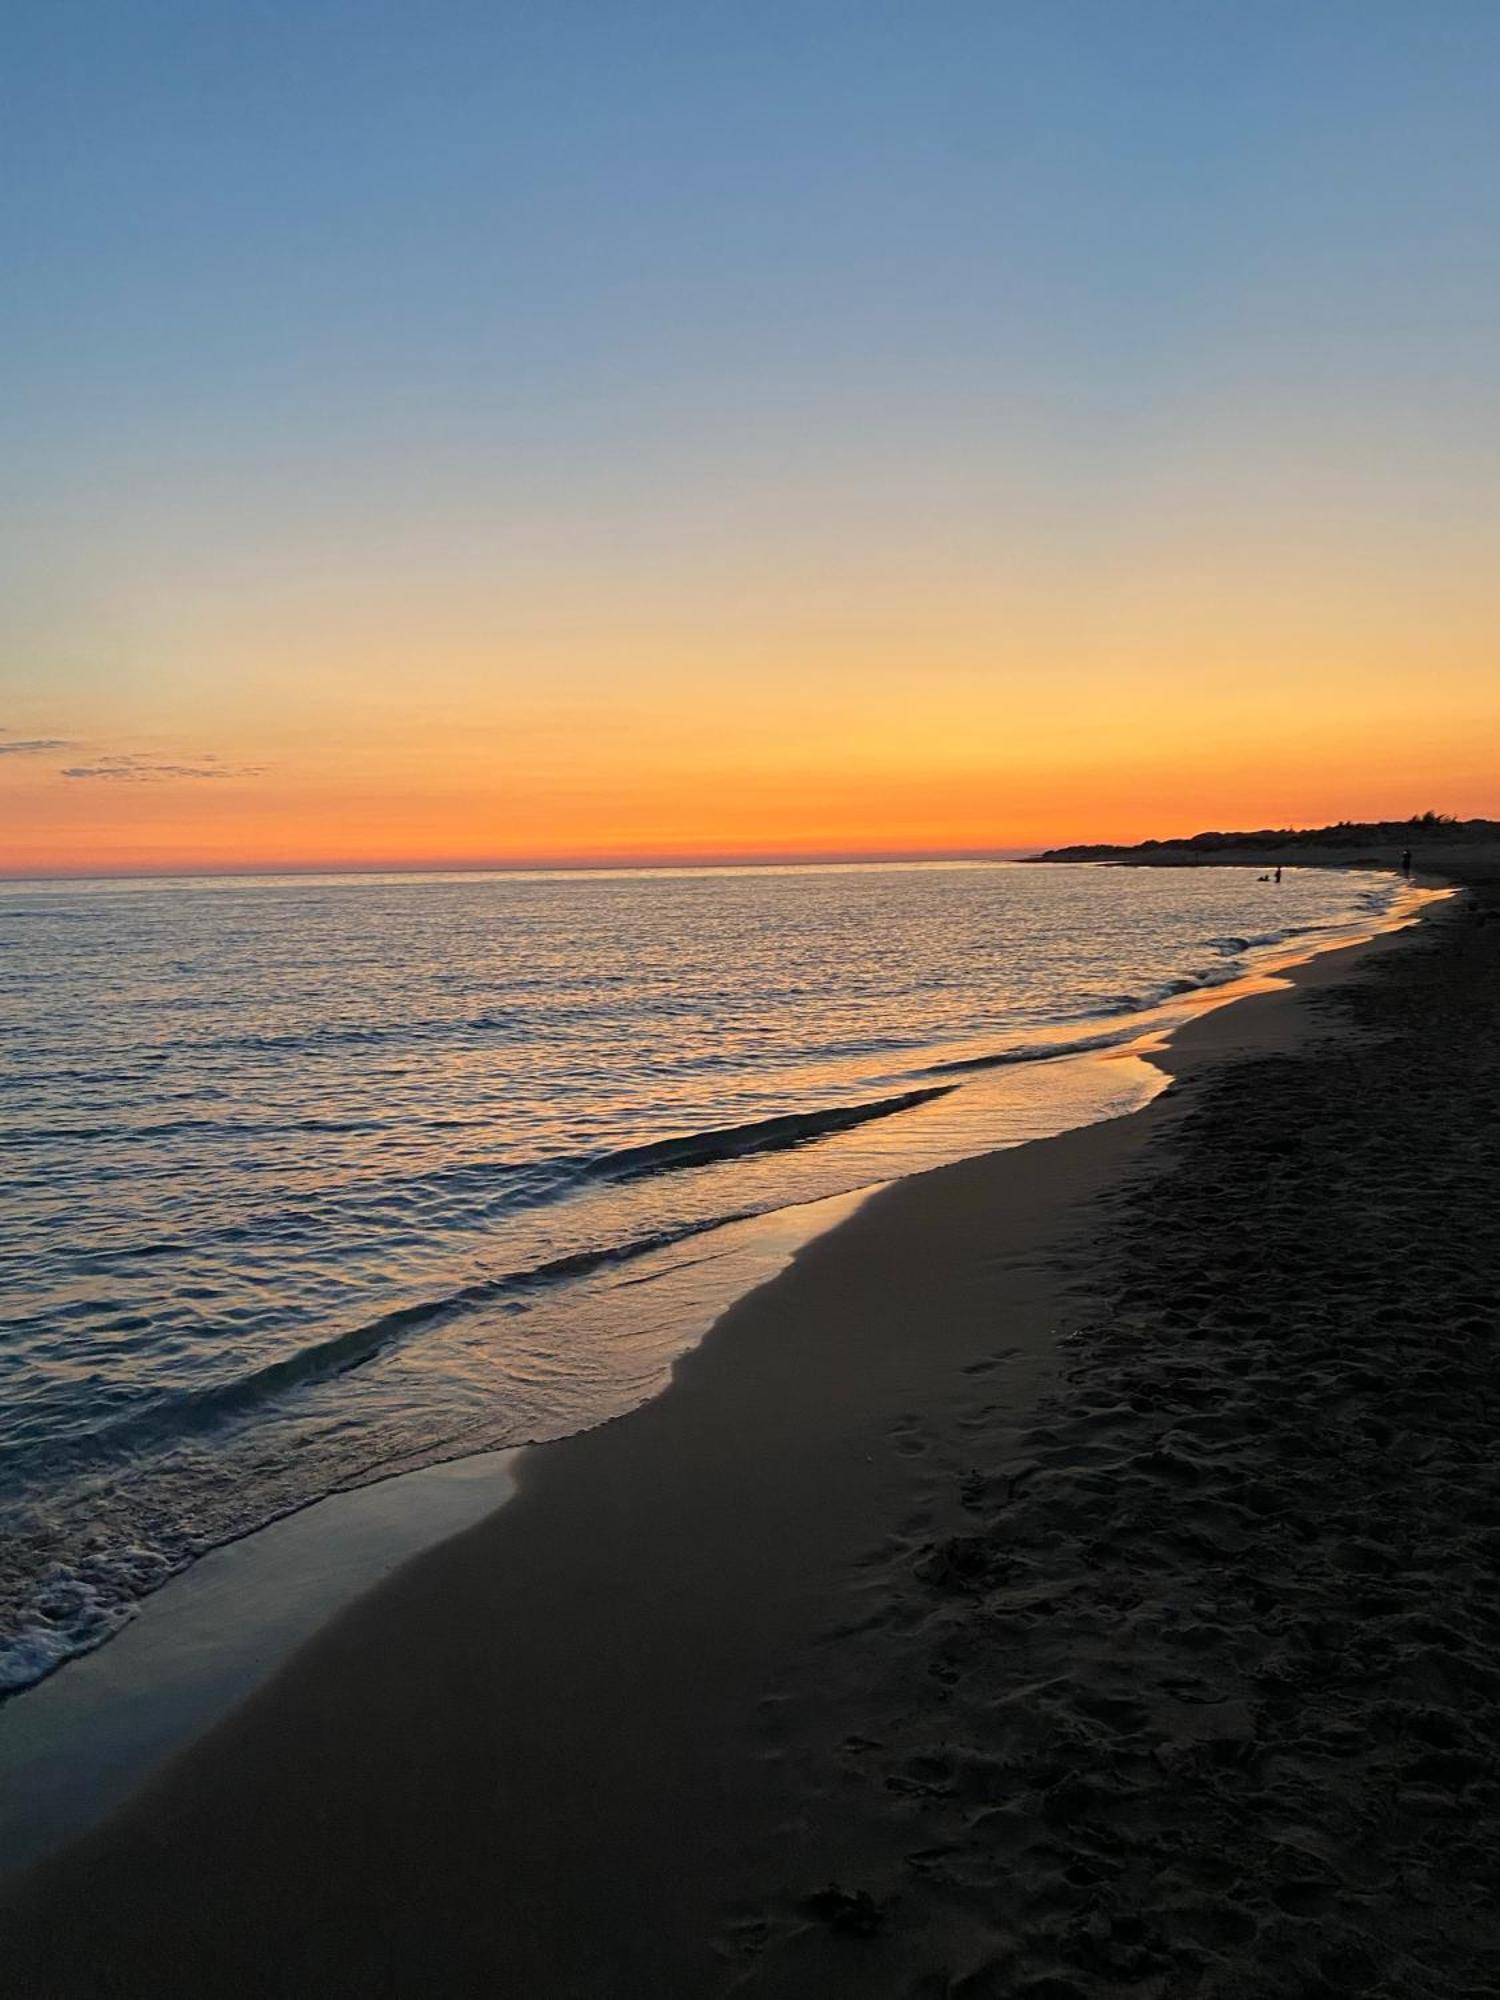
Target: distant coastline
{"points": [[1346, 844]]}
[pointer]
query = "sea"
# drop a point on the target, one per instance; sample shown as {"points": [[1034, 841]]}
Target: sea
{"points": [[312, 1180]]}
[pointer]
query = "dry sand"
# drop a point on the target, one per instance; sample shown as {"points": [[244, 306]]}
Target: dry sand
{"points": [[1075, 1576]]}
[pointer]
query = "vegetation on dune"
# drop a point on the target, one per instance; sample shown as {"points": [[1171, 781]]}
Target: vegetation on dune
{"points": [[1425, 827]]}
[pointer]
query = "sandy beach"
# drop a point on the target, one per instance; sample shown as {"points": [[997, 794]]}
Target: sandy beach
{"points": [[1073, 1576], [750, 1002]]}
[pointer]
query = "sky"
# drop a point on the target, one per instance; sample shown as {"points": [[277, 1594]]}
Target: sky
{"points": [[470, 431]]}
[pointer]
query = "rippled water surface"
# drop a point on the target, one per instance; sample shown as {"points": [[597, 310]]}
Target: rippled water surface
{"points": [[307, 1180]]}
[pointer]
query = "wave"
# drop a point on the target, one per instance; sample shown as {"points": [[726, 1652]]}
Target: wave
{"points": [[1232, 965], [1124, 1008], [760, 1135], [1236, 947], [1040, 1052], [529, 1183], [1204, 979], [196, 1410]]}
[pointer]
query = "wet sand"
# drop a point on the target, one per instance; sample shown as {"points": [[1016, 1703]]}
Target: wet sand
{"points": [[1073, 1576]]}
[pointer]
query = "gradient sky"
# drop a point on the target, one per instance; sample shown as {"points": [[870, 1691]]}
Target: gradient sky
{"points": [[458, 431]]}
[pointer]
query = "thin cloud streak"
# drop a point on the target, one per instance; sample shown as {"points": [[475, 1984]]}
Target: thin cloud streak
{"points": [[139, 770]]}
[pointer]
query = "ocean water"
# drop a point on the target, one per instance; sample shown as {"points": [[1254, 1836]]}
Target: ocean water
{"points": [[308, 1181]]}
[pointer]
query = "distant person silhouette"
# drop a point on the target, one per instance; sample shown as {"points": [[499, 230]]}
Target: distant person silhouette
{"points": [[1406, 862], [1278, 872]]}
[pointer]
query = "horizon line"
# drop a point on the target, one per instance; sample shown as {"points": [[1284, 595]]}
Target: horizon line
{"points": [[617, 863], [572, 865]]}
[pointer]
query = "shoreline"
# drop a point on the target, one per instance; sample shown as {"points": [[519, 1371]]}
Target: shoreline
{"points": [[92, 1542], [102, 1724], [757, 1557]]}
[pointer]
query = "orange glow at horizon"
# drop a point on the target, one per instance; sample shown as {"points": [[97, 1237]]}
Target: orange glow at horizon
{"points": [[714, 811], [910, 712]]}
